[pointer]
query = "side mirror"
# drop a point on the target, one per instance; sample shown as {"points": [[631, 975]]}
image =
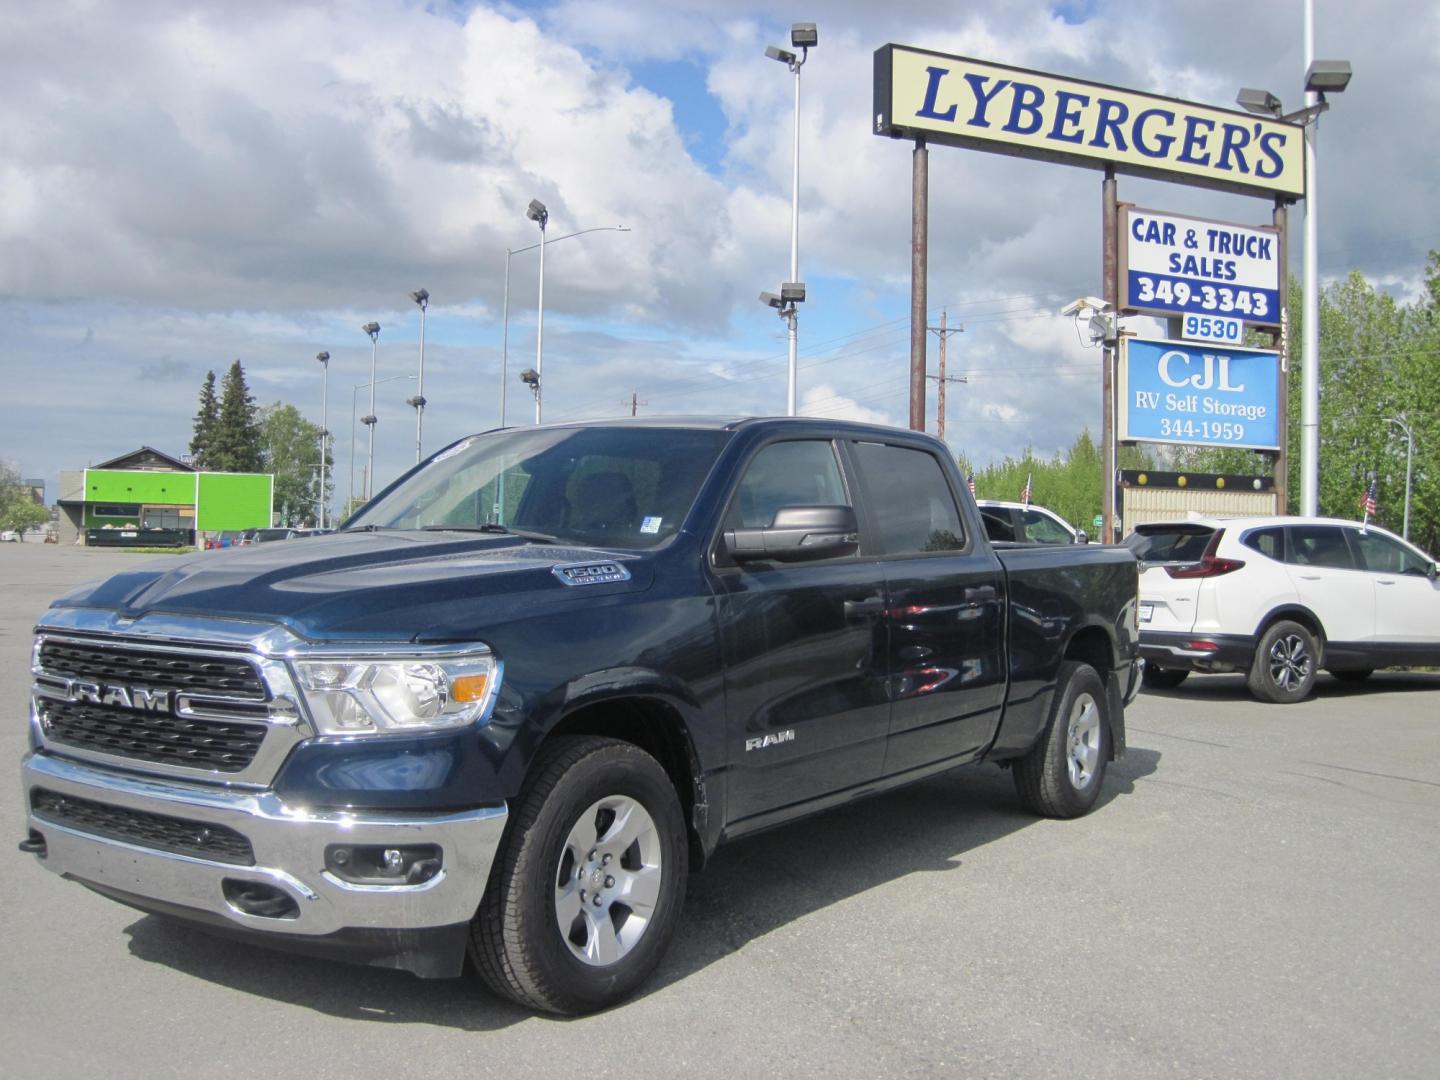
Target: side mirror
{"points": [[1081, 536], [798, 534], [1430, 571]]}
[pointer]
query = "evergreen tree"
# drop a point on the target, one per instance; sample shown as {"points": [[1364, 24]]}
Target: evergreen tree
{"points": [[207, 416], [237, 444]]}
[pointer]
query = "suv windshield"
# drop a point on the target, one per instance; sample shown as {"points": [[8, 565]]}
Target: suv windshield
{"points": [[1169, 543], [611, 487]]}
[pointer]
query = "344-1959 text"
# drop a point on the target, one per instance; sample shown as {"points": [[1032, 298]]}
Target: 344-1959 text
{"points": [[1222, 430]]}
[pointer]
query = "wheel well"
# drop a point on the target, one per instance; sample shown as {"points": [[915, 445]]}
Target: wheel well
{"points": [[660, 731], [1091, 646], [1302, 616]]}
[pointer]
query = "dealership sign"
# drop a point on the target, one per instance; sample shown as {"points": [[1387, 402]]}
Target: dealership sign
{"points": [[1177, 265], [1200, 395], [952, 99]]}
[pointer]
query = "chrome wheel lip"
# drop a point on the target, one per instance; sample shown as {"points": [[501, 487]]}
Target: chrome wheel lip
{"points": [[1082, 741], [1290, 663], [607, 880]]}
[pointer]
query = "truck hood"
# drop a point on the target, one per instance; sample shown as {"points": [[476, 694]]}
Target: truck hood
{"points": [[362, 586]]}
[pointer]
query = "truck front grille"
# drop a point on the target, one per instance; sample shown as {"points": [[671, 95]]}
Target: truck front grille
{"points": [[222, 745], [185, 672], [159, 832]]}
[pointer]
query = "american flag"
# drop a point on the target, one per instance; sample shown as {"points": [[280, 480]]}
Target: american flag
{"points": [[971, 482], [1025, 495], [1367, 503]]}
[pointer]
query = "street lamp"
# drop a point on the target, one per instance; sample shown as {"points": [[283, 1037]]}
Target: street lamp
{"points": [[1409, 458], [354, 394], [373, 330], [421, 297], [505, 318], [324, 358], [802, 37], [537, 213]]}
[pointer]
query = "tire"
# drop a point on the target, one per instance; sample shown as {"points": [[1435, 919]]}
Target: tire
{"points": [[1286, 660], [597, 842], [1163, 678], [1354, 675], [1062, 774]]}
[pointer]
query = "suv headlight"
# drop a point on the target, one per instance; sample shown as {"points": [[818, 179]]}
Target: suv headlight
{"points": [[395, 693]]}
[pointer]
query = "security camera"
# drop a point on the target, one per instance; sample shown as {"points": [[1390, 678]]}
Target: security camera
{"points": [[772, 299], [1075, 307], [530, 377]]}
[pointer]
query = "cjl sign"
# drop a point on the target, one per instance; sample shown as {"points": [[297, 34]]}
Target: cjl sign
{"points": [[1199, 395]]}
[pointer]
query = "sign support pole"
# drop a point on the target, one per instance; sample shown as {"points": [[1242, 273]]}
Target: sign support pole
{"points": [[1110, 214], [1282, 343], [919, 268]]}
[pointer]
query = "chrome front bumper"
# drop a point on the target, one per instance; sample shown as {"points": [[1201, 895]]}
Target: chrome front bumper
{"points": [[289, 844]]}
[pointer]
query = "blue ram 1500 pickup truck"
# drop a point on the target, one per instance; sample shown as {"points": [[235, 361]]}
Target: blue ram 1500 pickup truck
{"points": [[530, 686]]}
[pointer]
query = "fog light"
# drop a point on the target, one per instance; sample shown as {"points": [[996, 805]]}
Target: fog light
{"points": [[377, 864]]}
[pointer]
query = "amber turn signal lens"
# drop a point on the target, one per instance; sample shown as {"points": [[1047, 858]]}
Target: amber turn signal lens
{"points": [[468, 688]]}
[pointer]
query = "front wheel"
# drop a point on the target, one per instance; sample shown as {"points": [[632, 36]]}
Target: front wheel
{"points": [[1062, 774], [1283, 671], [587, 889]]}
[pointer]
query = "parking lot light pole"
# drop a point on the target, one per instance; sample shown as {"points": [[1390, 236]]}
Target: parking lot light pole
{"points": [[1409, 459], [354, 395], [421, 297], [324, 358], [373, 330]]}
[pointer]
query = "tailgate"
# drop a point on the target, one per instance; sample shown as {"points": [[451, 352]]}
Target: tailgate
{"points": [[1167, 603]]}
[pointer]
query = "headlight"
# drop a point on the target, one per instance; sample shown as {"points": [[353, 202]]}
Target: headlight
{"points": [[397, 694]]}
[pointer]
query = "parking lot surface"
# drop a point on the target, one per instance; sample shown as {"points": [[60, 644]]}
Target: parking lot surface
{"points": [[1258, 894]]}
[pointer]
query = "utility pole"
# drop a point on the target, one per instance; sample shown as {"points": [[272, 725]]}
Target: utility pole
{"points": [[635, 403], [943, 332]]}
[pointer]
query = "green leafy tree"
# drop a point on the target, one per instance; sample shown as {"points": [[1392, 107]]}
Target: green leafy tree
{"points": [[18, 510], [207, 419], [236, 446], [291, 451]]}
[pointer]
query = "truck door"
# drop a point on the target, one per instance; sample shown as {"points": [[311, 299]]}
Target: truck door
{"points": [[944, 606], [804, 647]]}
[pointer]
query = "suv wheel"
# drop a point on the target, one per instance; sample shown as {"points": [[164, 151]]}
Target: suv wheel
{"points": [[1163, 678], [1283, 671], [586, 892]]}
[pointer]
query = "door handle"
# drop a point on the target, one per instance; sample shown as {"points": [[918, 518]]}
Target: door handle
{"points": [[1309, 577], [1385, 581], [864, 609], [980, 594]]}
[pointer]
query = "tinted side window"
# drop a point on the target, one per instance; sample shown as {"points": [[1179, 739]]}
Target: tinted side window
{"points": [[1268, 542], [1042, 529], [1319, 545], [803, 473], [912, 504], [997, 523], [1382, 555]]}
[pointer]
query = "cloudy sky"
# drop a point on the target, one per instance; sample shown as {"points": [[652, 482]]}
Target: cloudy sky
{"points": [[184, 184]]}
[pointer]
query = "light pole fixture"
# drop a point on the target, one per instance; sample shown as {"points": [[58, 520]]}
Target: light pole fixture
{"points": [[537, 213], [354, 396], [324, 358], [1321, 77], [803, 38], [1409, 459], [505, 317], [373, 330], [421, 297]]}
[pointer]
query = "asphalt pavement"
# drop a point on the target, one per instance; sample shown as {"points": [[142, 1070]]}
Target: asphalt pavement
{"points": [[1256, 895]]}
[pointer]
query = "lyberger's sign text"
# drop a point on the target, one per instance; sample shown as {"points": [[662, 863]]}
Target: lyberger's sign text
{"points": [[987, 106]]}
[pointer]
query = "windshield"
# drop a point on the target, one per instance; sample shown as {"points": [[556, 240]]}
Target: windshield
{"points": [[608, 487]]}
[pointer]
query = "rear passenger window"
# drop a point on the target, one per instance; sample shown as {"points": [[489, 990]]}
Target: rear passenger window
{"points": [[997, 523], [913, 506], [1319, 545], [1268, 542]]}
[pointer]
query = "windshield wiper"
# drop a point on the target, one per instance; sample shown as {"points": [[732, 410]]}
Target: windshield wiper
{"points": [[491, 527]]}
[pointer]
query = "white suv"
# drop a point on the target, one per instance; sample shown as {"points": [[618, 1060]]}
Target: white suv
{"points": [[1279, 598]]}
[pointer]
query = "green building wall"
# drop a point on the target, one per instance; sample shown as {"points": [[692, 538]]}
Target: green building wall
{"points": [[220, 500], [235, 501]]}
